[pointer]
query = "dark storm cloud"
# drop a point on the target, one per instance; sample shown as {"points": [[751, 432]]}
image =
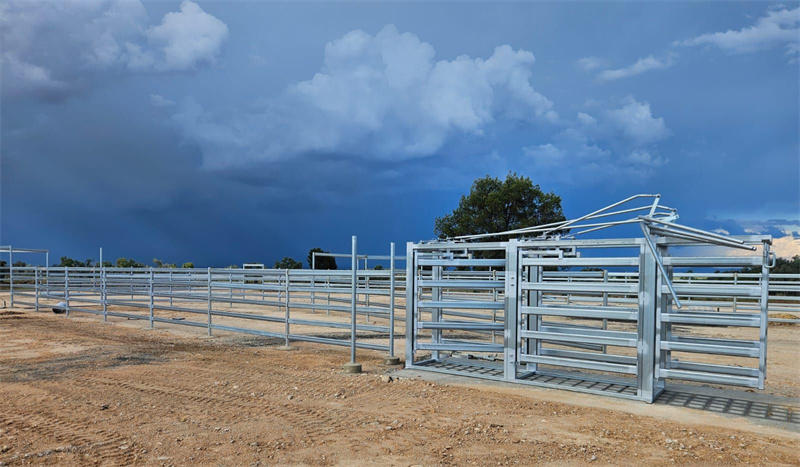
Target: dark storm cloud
{"points": [[121, 129]]}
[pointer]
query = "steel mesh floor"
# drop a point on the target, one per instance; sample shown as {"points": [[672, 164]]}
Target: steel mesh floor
{"points": [[488, 370]]}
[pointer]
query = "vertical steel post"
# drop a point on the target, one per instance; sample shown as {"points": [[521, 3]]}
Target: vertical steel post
{"points": [[150, 307], [436, 313], [410, 304], [534, 322], [663, 329], [391, 299], [735, 282], [170, 288], [66, 290], [209, 301], [366, 291], [353, 301], [646, 361], [104, 291], [510, 334], [286, 290], [36, 286], [605, 304], [313, 276], [494, 311], [47, 272], [11, 273], [762, 336], [101, 275]]}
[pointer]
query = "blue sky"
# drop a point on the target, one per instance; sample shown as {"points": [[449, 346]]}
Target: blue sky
{"points": [[223, 132]]}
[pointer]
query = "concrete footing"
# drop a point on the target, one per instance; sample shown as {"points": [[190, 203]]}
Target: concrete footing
{"points": [[352, 368], [286, 348], [392, 361]]}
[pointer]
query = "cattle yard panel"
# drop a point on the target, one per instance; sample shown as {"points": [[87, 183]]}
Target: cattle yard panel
{"points": [[596, 316], [293, 305]]}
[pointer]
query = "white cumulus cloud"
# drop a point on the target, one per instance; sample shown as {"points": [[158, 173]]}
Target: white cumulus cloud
{"points": [[779, 27], [188, 38], [160, 101], [591, 63], [635, 120], [380, 96], [621, 142], [642, 65], [53, 48]]}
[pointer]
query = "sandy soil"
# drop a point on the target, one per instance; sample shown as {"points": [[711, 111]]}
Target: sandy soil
{"points": [[77, 391]]}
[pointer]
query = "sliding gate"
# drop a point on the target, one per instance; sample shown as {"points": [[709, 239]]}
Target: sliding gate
{"points": [[596, 316]]}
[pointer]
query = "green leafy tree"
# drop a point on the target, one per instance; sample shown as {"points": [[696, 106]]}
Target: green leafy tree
{"points": [[288, 263], [108, 264], [494, 205], [67, 262], [188, 265], [161, 264], [20, 264], [128, 263], [322, 262], [378, 267]]}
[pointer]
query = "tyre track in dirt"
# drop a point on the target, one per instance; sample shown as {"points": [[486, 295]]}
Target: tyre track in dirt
{"points": [[314, 422], [18, 415]]}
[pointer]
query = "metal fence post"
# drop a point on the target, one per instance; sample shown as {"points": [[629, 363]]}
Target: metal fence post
{"points": [[494, 311], [646, 333], [66, 291], [36, 286], [392, 360], [286, 293], [313, 266], [353, 367], [104, 291], [366, 291], [735, 282], [605, 304], [47, 273], [151, 299], [410, 304], [764, 311], [510, 310], [11, 273], [209, 301]]}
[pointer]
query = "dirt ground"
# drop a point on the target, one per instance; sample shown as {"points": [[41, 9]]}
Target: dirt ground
{"points": [[79, 392]]}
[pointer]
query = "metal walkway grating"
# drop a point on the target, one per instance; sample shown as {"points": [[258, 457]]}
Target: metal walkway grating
{"points": [[464, 368], [487, 370], [565, 382]]}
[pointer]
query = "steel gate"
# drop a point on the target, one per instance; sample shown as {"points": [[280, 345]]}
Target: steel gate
{"points": [[739, 355], [455, 301], [568, 321]]}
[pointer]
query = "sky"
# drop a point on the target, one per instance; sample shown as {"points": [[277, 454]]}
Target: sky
{"points": [[227, 132]]}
